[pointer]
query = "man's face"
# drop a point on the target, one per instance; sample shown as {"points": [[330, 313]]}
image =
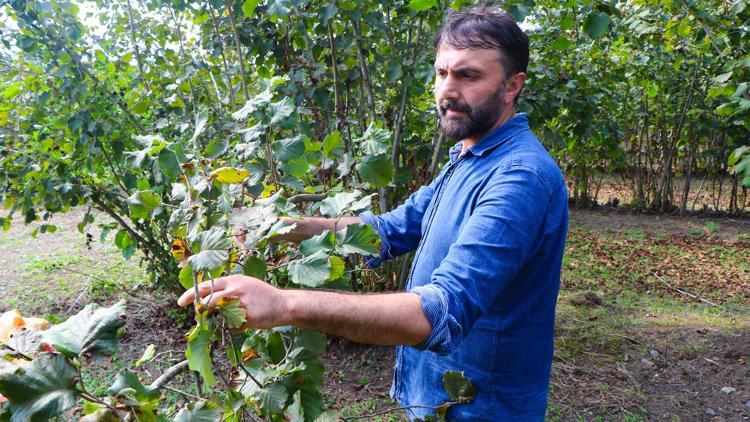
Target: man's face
{"points": [[469, 91]]}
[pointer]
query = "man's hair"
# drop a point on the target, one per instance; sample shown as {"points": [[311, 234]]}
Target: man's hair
{"points": [[485, 27]]}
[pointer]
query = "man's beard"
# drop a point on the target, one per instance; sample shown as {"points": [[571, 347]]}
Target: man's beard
{"points": [[478, 120]]}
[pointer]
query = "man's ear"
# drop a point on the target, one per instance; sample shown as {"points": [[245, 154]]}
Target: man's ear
{"points": [[514, 86]]}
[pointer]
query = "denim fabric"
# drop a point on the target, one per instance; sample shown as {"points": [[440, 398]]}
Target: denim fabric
{"points": [[489, 234]]}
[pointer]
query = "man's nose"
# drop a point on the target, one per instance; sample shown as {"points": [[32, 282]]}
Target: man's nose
{"points": [[448, 88]]}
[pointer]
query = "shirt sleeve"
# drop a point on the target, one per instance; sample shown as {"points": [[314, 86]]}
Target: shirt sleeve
{"points": [[401, 229], [503, 232]]}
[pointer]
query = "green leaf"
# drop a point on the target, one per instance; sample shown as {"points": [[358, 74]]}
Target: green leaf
{"points": [[344, 202], [561, 44], [596, 24], [169, 164], [92, 330], [338, 268], [214, 250], [272, 398], [519, 11], [375, 140], [248, 7], [459, 388], [296, 412], [287, 149], [358, 238], [280, 111], [233, 311], [198, 353], [216, 147], [186, 277], [148, 355], [376, 170], [202, 411], [144, 204], [310, 271], [128, 387], [322, 242], [420, 5], [42, 390], [333, 144], [254, 267], [200, 125]]}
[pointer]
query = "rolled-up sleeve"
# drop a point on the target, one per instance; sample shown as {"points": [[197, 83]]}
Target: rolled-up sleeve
{"points": [[400, 229], [502, 234]]}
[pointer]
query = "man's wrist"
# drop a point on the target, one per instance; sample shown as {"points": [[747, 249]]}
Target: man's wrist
{"points": [[291, 303]]}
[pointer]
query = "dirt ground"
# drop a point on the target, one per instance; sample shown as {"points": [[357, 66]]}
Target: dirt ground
{"points": [[625, 349]]}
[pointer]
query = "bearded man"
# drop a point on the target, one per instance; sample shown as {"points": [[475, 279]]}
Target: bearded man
{"points": [[489, 234]]}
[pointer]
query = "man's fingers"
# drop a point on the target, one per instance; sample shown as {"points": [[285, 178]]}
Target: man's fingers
{"points": [[218, 295], [204, 289]]}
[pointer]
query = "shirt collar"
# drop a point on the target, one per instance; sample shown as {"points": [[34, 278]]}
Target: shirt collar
{"points": [[499, 135]]}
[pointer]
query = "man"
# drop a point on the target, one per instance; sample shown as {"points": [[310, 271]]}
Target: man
{"points": [[489, 234]]}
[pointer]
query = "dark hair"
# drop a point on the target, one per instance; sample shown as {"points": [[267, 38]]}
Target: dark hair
{"points": [[487, 28]]}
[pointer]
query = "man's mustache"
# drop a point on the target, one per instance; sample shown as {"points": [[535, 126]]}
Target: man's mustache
{"points": [[446, 105]]}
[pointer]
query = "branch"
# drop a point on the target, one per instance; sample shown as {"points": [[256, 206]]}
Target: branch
{"points": [[239, 50], [169, 375], [307, 197]]}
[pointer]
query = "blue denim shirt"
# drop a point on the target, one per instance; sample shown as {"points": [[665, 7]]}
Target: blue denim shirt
{"points": [[489, 234]]}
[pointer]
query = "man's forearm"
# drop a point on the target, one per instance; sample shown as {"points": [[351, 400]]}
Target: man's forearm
{"points": [[383, 319], [308, 227]]}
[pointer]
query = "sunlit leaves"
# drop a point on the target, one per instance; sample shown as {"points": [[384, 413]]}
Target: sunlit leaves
{"points": [[248, 7], [420, 5], [92, 330], [230, 175]]}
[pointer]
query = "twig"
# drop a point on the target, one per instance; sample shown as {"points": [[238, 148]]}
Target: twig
{"points": [[714, 362], [690, 295], [186, 394], [625, 337]]}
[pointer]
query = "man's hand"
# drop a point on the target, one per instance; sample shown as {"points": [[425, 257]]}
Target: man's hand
{"points": [[265, 305]]}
